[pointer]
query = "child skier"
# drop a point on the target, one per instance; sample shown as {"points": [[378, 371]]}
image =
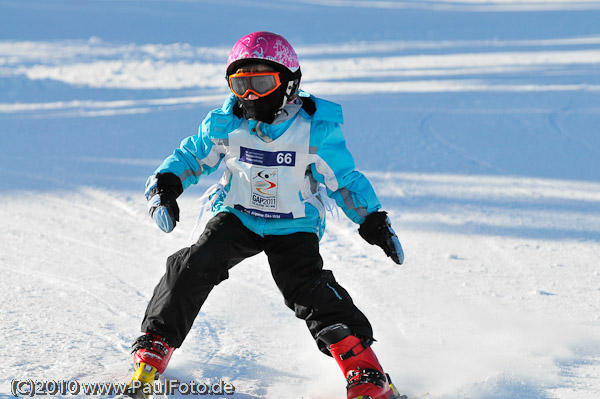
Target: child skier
{"points": [[279, 145]]}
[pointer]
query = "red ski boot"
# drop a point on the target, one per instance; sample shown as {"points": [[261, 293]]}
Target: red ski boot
{"points": [[364, 375], [151, 354]]}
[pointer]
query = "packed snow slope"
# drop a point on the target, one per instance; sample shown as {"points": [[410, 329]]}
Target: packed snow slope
{"points": [[478, 123]]}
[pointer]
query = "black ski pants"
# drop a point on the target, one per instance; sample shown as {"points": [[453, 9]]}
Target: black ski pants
{"points": [[296, 266]]}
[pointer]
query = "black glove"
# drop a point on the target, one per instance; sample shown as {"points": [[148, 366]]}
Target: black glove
{"points": [[377, 230], [162, 191]]}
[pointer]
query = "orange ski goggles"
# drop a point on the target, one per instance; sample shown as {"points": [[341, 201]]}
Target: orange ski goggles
{"points": [[260, 83]]}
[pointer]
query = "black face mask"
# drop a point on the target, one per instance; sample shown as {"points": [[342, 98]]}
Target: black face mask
{"points": [[265, 109]]}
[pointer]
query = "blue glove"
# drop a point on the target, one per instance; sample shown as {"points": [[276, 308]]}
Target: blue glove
{"points": [[165, 212], [162, 200], [377, 230]]}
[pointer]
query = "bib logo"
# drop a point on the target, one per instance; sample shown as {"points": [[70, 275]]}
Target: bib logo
{"points": [[264, 187]]}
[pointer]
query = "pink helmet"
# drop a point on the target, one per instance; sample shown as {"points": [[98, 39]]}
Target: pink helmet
{"points": [[263, 46]]}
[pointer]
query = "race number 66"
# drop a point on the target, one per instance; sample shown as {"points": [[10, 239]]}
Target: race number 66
{"points": [[285, 158]]}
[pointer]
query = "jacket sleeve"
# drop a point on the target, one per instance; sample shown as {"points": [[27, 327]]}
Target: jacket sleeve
{"points": [[334, 167], [196, 156], [201, 154]]}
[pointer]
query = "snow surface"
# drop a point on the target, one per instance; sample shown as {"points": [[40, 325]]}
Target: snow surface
{"points": [[477, 122]]}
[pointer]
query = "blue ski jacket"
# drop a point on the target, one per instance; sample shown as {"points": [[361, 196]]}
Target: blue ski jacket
{"points": [[330, 164]]}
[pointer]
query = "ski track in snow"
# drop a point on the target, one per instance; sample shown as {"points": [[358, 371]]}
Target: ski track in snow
{"points": [[555, 121], [489, 171]]}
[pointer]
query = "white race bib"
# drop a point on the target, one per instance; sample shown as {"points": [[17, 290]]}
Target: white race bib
{"points": [[266, 178]]}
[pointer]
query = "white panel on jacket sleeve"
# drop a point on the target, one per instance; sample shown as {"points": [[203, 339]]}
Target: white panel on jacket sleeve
{"points": [[324, 169]]}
